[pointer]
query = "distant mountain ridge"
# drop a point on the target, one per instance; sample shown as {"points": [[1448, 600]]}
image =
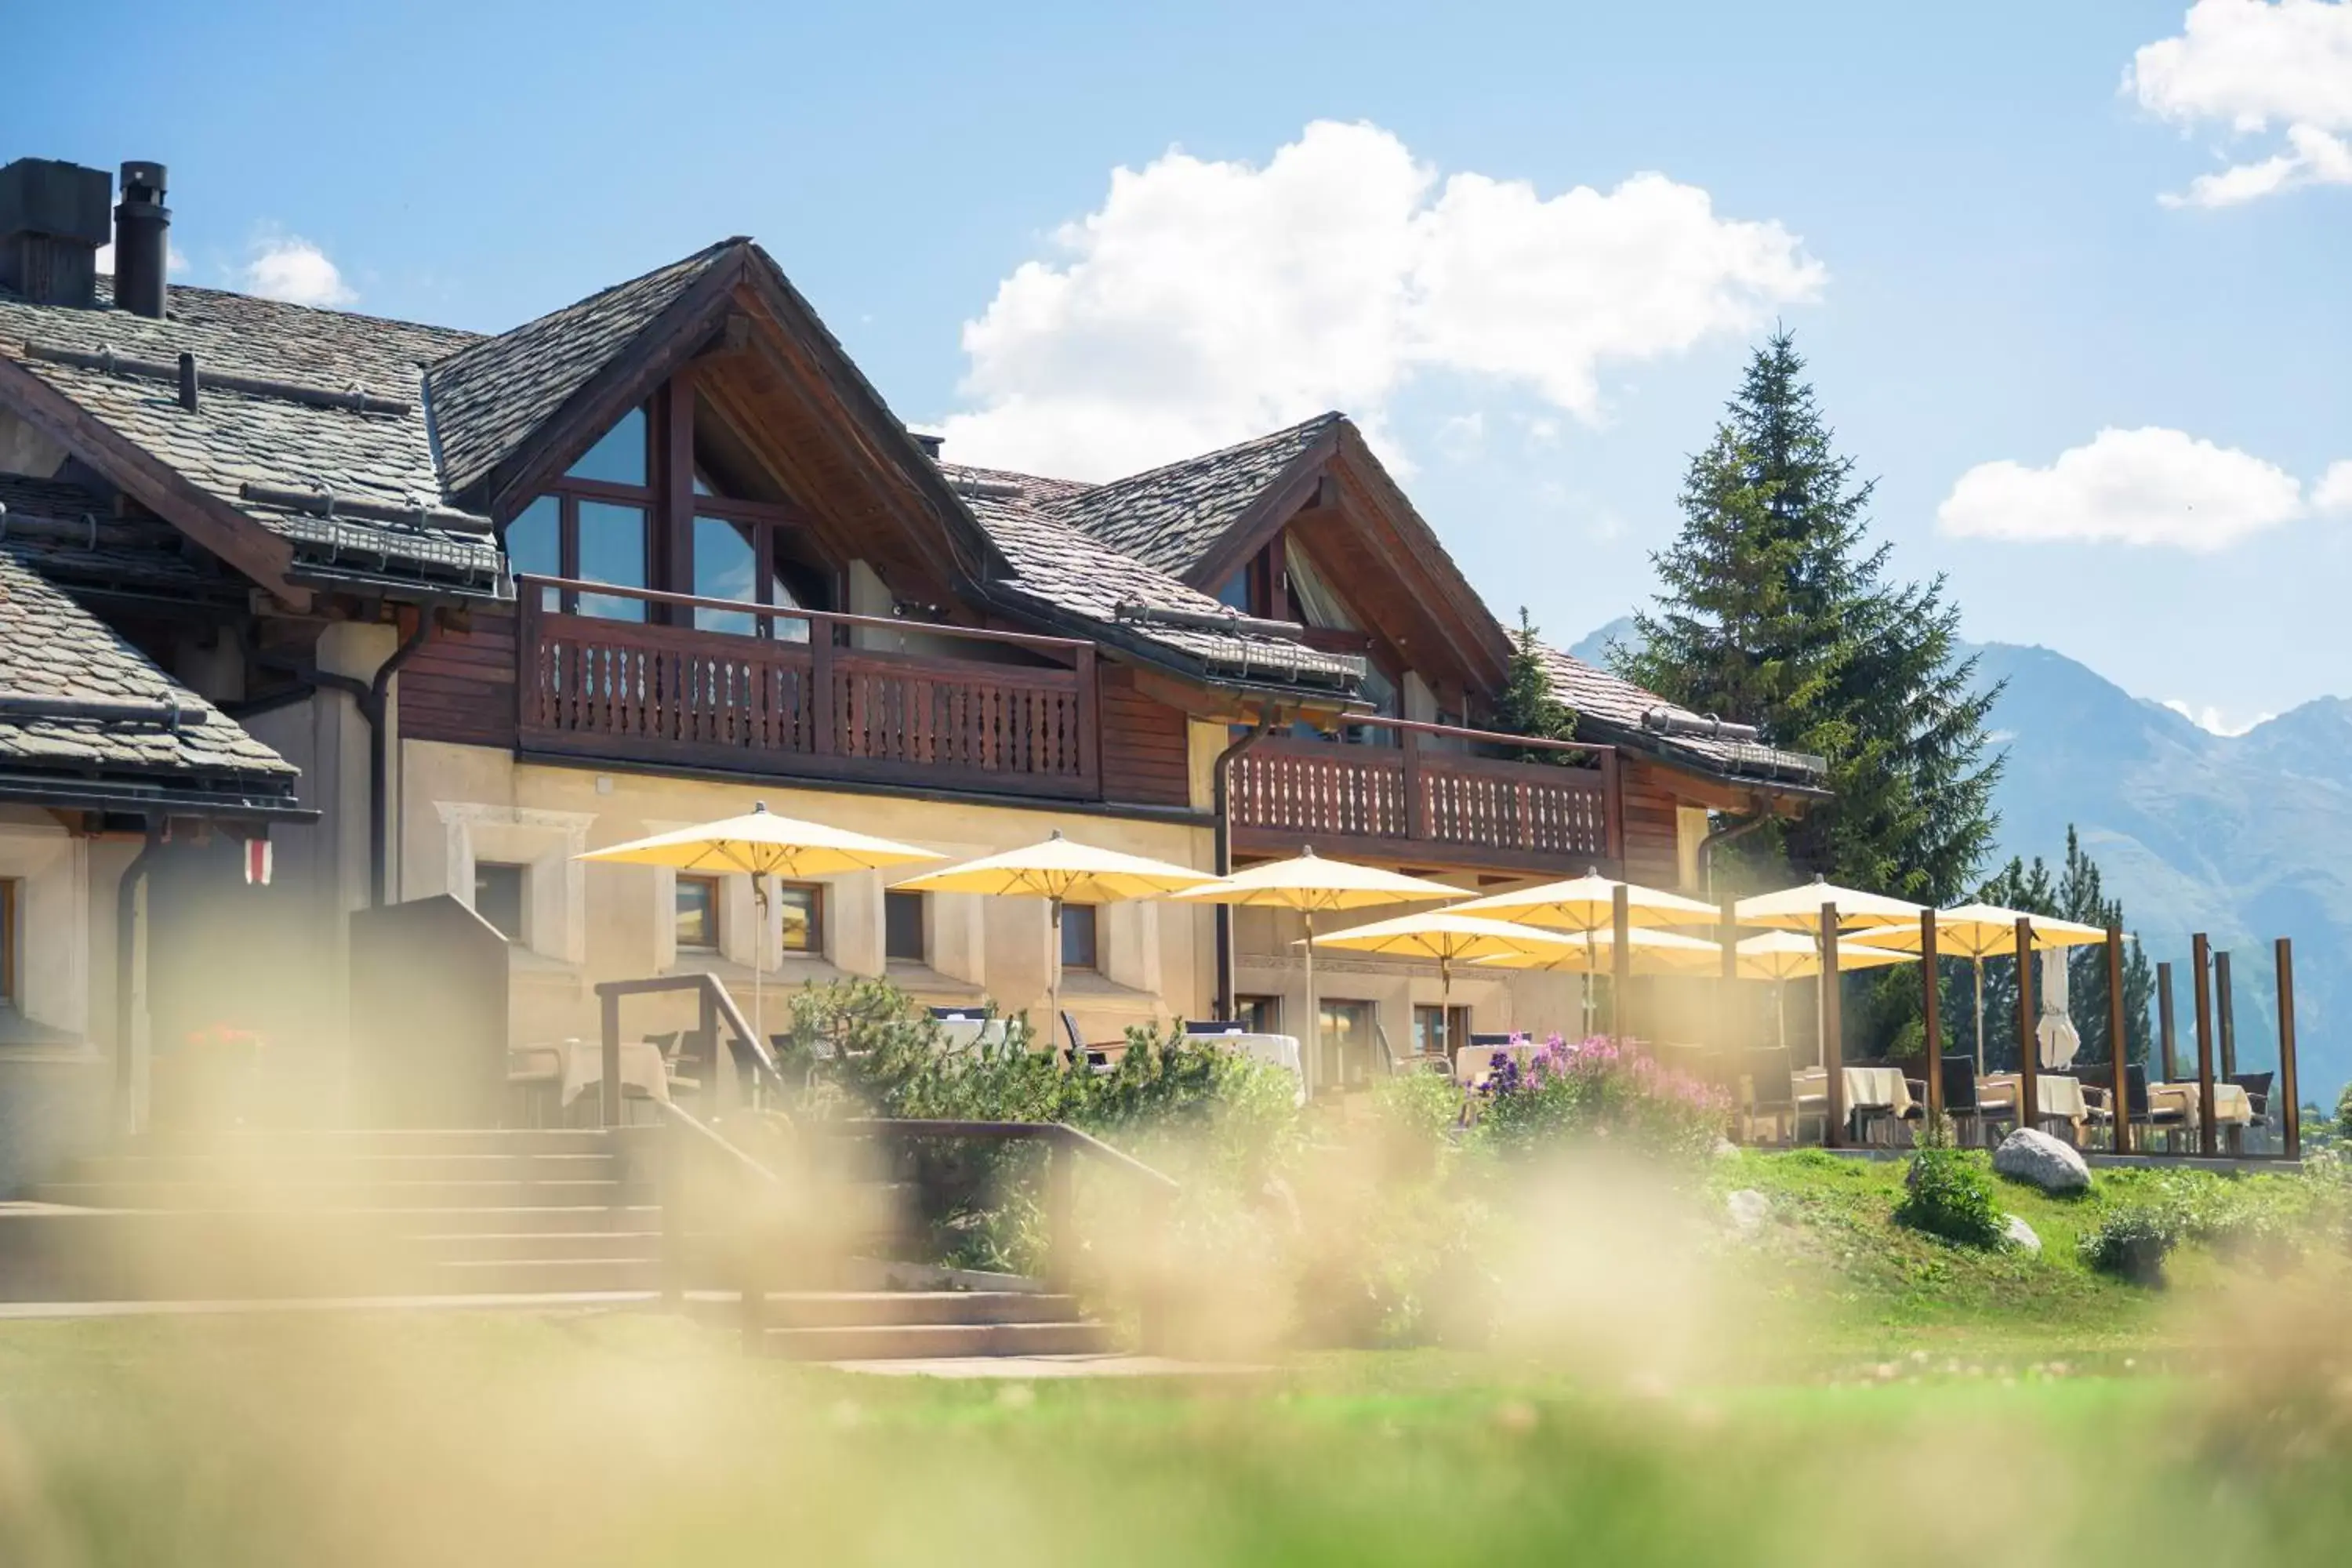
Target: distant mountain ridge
{"points": [[2246, 838]]}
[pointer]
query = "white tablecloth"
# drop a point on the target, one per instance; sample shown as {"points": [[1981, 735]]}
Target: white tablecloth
{"points": [[2230, 1105], [960, 1034], [641, 1066], [2060, 1096], [1875, 1087], [1275, 1050]]}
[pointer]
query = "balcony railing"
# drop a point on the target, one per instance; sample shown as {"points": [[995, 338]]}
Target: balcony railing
{"points": [[1420, 801], [591, 686]]}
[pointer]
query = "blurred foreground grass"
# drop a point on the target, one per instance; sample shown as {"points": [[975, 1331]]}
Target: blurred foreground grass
{"points": [[637, 1439]]}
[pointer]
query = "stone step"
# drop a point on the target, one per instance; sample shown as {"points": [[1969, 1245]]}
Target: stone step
{"points": [[390, 1141], [540, 1276], [931, 1341], [494, 1245], [297, 1168], [569, 1192], [888, 1308]]}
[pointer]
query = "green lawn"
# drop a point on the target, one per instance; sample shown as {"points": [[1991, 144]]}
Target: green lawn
{"points": [[1882, 1397]]}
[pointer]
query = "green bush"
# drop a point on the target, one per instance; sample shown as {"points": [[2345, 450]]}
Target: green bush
{"points": [[1948, 1194], [2133, 1240], [2344, 1115]]}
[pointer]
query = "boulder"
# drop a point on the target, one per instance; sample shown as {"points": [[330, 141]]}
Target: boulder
{"points": [[2020, 1233], [2050, 1163], [1724, 1149], [1748, 1209]]}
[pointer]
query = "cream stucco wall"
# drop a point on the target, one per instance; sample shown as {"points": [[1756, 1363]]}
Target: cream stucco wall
{"points": [[584, 923]]}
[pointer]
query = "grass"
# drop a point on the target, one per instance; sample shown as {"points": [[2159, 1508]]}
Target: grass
{"points": [[1895, 1398]]}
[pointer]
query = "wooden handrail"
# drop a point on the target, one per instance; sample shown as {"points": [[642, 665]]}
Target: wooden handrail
{"points": [[717, 1004], [1059, 1133], [713, 1139], [524, 581]]}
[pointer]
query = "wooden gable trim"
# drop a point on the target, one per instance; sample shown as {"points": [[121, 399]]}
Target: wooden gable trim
{"points": [[1266, 516], [628, 379], [204, 518], [1482, 639], [923, 498]]}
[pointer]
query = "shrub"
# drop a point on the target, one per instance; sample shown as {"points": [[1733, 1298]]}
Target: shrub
{"points": [[1951, 1196], [1593, 1092], [2133, 1241]]}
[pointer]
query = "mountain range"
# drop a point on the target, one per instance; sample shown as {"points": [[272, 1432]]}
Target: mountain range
{"points": [[2246, 838]]}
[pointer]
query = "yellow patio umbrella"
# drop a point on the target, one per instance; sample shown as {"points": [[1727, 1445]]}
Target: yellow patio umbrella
{"points": [[1061, 870], [1652, 953], [1447, 937], [760, 844], [1978, 932], [1784, 955], [1587, 905], [1800, 909], [1311, 884]]}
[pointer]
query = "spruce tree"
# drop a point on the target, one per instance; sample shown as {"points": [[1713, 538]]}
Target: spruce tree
{"points": [[1775, 610], [1527, 705]]}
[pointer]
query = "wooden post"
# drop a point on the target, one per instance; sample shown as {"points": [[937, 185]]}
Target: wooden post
{"points": [[2200, 954], [1620, 963], [1832, 1034], [828, 721], [1613, 807], [2225, 1016], [2119, 1043], [2029, 1043], [2166, 1030], [1728, 996], [1060, 1194], [1090, 722], [1416, 788], [2290, 1101], [1931, 1018], [608, 1093]]}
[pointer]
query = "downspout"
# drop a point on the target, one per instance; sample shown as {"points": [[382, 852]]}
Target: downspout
{"points": [[1707, 846], [126, 943], [1222, 775], [373, 708]]}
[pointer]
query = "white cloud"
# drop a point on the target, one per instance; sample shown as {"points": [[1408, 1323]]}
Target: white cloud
{"points": [[2333, 490], [2149, 486], [2248, 66], [1207, 302], [287, 266], [2213, 722], [175, 260]]}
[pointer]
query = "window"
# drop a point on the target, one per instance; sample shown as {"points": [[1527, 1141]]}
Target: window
{"points": [[1258, 1014], [12, 903], [618, 458], [1078, 927], [1437, 1030], [1343, 1054], [799, 907], [584, 537], [902, 927], [697, 914], [498, 897], [737, 558]]}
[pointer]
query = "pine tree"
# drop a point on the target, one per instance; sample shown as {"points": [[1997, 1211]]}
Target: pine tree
{"points": [[1527, 705], [1775, 610]]}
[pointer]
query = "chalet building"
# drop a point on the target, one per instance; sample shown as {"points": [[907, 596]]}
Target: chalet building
{"points": [[481, 603]]}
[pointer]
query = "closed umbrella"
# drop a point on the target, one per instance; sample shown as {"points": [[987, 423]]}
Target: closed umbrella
{"points": [[1978, 932], [2054, 1031], [1061, 870], [760, 844], [1313, 885]]}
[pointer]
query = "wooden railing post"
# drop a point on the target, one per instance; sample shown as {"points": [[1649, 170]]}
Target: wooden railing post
{"points": [[1061, 1238], [608, 1092], [826, 720], [2029, 1038], [1090, 722], [1613, 807], [1416, 789], [2289, 1096], [2118, 1042], [2209, 1143]]}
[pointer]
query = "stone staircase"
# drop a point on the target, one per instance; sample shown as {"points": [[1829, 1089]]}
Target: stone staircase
{"points": [[489, 1215]]}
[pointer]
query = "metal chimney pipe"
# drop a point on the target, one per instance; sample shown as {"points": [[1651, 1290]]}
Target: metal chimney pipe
{"points": [[141, 240]]}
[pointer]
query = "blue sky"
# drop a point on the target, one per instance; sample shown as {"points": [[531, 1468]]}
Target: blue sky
{"points": [[1957, 209]]}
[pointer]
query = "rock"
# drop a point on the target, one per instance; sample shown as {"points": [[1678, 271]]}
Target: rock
{"points": [[1724, 1149], [2049, 1163], [1749, 1208], [2020, 1233]]}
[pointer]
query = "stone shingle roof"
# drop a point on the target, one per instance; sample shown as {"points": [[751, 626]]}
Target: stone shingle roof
{"points": [[1609, 707], [1170, 517], [234, 438], [492, 395], [1059, 567], [71, 536], [51, 647]]}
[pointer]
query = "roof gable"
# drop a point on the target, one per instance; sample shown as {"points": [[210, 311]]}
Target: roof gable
{"points": [[1173, 517]]}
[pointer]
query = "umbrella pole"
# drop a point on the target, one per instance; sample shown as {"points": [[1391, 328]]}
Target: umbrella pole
{"points": [[1781, 1013], [760, 904], [1592, 958], [1314, 1014], [1053, 981], [1977, 962]]}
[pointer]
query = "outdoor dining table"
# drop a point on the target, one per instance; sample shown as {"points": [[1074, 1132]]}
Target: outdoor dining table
{"points": [[1867, 1089], [2061, 1098], [582, 1068], [963, 1034], [2231, 1106], [1275, 1050]]}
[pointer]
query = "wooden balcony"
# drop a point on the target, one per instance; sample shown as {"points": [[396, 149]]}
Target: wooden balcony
{"points": [[671, 694], [1420, 803]]}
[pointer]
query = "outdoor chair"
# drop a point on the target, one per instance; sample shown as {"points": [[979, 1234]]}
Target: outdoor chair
{"points": [[2257, 1086], [1095, 1058], [2137, 1110], [1197, 1026], [980, 1015], [1772, 1095], [1961, 1103]]}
